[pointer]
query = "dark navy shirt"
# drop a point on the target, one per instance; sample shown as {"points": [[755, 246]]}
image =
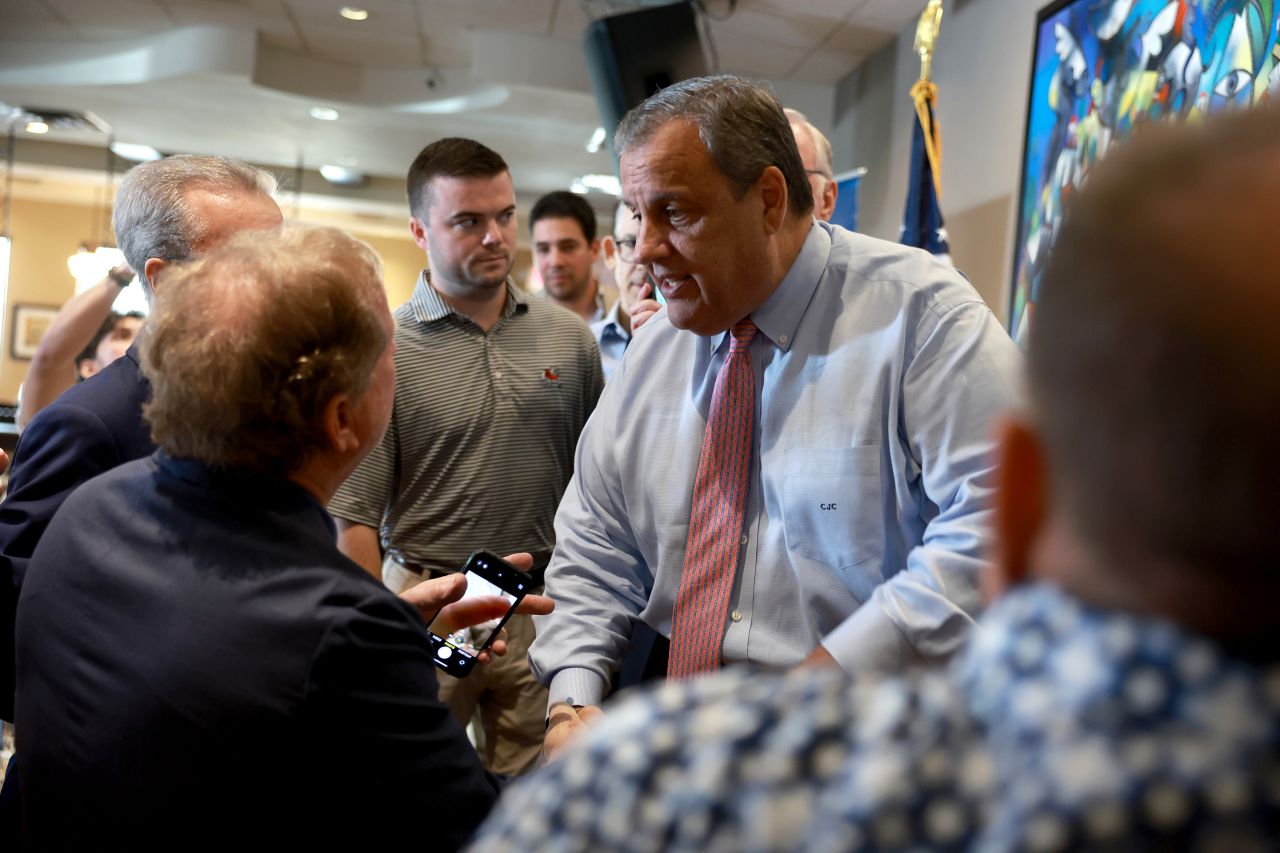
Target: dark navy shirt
{"points": [[198, 661]]}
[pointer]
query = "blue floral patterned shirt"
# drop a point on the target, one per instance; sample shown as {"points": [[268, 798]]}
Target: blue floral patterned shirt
{"points": [[1060, 726]]}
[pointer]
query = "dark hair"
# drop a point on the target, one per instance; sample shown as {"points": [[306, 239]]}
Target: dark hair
{"points": [[741, 123], [90, 352], [565, 205], [1154, 359], [452, 157], [254, 339]]}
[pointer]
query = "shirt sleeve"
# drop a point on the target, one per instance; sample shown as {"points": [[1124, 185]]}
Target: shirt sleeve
{"points": [[596, 576], [964, 372], [367, 493], [371, 698]]}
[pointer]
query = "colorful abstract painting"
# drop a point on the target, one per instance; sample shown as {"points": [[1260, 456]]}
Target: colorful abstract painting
{"points": [[1101, 68]]}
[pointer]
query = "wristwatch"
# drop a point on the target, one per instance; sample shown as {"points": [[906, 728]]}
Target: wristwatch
{"points": [[119, 278]]}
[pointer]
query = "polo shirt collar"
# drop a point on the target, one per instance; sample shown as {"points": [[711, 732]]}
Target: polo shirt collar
{"points": [[429, 306]]}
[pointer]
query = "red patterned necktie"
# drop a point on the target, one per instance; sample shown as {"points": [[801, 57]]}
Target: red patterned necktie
{"points": [[715, 524]]}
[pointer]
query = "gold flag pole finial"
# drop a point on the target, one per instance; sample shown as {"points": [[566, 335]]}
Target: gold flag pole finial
{"points": [[927, 36]]}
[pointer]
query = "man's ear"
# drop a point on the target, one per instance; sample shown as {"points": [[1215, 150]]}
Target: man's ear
{"points": [[151, 271], [610, 252], [595, 248], [773, 192], [339, 424], [419, 232], [1021, 504], [830, 192]]}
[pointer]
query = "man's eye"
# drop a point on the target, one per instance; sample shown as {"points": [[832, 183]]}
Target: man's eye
{"points": [[464, 223]]}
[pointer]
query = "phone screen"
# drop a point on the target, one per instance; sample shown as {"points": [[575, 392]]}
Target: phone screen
{"points": [[494, 588]]}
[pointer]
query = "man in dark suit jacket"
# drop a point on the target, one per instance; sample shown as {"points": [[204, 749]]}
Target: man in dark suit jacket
{"points": [[194, 653], [166, 211]]}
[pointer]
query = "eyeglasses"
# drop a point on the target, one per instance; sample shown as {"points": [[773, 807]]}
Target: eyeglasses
{"points": [[821, 172], [626, 249]]}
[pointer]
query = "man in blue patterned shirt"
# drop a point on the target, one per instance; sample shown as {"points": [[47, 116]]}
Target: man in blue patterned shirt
{"points": [[1124, 691]]}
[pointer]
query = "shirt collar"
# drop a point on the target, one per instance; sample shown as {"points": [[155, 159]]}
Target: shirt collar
{"points": [[429, 306], [779, 316], [1082, 659], [611, 324], [271, 493]]}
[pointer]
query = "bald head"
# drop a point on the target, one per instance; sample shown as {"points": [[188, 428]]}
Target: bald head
{"points": [[1155, 362], [815, 154]]}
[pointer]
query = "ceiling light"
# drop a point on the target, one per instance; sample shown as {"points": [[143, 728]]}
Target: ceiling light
{"points": [[324, 113], [485, 97], [37, 127], [342, 176], [88, 267], [353, 13], [135, 152], [596, 140], [599, 183]]}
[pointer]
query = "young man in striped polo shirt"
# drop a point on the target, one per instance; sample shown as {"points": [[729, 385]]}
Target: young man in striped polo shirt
{"points": [[492, 391]]}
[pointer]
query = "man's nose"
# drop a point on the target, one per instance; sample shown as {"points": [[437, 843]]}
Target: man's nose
{"points": [[493, 234], [648, 244]]}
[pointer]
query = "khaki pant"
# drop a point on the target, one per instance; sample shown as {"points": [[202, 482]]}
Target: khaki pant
{"points": [[511, 704]]}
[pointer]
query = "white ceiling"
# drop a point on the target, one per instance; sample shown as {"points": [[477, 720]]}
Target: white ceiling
{"points": [[239, 77]]}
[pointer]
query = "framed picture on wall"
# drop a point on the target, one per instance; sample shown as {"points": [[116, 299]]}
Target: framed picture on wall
{"points": [[30, 322], [1100, 69]]}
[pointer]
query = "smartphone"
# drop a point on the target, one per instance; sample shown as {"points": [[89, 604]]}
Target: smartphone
{"points": [[455, 649], [657, 292]]}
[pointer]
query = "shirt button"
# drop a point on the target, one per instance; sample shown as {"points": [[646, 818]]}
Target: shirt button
{"points": [[736, 616], [745, 539], [497, 374], [782, 339]]}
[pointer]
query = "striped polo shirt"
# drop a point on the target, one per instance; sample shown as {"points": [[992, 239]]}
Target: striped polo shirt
{"points": [[483, 430]]}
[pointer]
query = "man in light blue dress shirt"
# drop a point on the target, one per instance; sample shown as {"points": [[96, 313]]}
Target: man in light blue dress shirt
{"points": [[635, 293], [878, 372]]}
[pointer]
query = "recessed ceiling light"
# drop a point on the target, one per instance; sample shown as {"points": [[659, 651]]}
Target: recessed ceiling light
{"points": [[341, 175], [37, 127], [353, 13], [599, 183], [324, 113]]}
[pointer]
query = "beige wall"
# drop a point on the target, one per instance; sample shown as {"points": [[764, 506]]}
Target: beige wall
{"points": [[44, 235]]}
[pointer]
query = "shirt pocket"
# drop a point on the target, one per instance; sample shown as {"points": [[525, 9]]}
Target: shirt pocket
{"points": [[831, 505]]}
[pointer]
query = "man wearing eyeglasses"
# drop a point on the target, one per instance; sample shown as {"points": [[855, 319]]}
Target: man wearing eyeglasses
{"points": [[815, 153], [635, 303]]}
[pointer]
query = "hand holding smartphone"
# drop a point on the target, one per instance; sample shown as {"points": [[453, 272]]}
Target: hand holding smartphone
{"points": [[464, 629]]}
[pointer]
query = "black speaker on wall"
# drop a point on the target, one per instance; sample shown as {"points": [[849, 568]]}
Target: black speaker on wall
{"points": [[632, 55]]}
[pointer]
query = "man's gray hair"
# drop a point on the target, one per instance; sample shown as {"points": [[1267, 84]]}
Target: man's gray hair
{"points": [[153, 218], [820, 142], [740, 122]]}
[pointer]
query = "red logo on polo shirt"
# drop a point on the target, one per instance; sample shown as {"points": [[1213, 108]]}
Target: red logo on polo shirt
{"points": [[551, 374]]}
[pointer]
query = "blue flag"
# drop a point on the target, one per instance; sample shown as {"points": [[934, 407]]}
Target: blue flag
{"points": [[922, 224]]}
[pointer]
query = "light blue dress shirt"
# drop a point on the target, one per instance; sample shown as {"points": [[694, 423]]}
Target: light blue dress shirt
{"points": [[879, 373], [612, 338]]}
